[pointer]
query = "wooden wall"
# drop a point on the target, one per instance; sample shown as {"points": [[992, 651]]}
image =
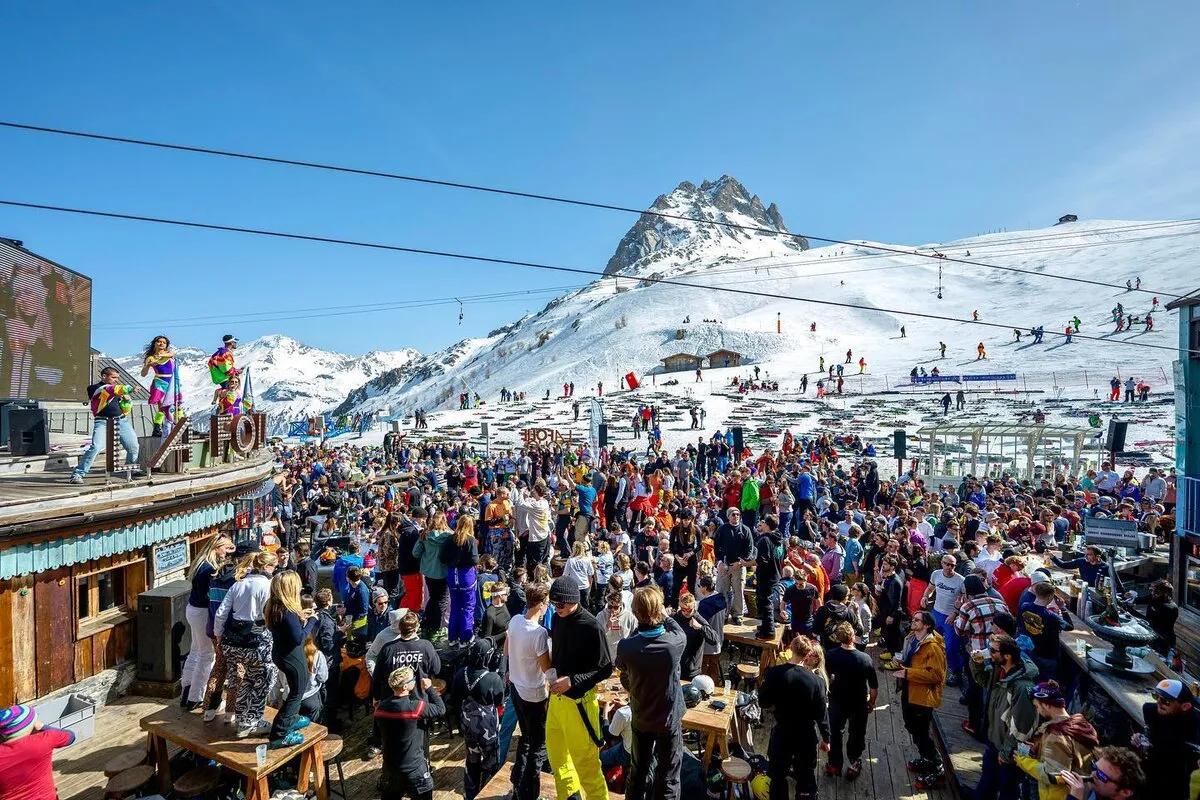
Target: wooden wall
{"points": [[42, 648]]}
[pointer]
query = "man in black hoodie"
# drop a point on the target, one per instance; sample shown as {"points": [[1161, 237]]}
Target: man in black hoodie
{"points": [[799, 699], [407, 650], [579, 659], [768, 564], [649, 662], [406, 770], [479, 693]]}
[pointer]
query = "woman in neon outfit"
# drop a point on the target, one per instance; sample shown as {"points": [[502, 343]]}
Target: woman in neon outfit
{"points": [[161, 359], [230, 401]]}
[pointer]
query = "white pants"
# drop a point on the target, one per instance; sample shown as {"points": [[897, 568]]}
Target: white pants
{"points": [[731, 582], [200, 657]]}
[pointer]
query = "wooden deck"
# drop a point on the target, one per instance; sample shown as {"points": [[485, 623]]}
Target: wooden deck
{"points": [[36, 496], [79, 769]]}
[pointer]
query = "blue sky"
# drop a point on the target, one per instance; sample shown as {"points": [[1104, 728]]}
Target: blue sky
{"points": [[902, 122]]}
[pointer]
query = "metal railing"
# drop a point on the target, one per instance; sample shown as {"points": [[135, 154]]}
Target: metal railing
{"points": [[1187, 508]]}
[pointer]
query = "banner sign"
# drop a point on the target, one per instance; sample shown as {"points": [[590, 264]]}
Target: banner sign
{"points": [[999, 376], [545, 437], [170, 557]]}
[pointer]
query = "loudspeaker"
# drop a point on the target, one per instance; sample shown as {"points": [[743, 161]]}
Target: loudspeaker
{"points": [[163, 638], [9, 405], [28, 431], [604, 434], [900, 443], [1116, 436], [738, 444]]}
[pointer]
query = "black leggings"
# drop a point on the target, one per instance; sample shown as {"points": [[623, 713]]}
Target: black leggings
{"points": [[294, 667]]}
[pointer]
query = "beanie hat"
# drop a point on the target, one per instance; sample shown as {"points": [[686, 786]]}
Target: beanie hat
{"points": [[16, 722], [564, 590]]}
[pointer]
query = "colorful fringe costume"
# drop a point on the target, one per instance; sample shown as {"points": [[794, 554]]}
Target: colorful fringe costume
{"points": [[221, 367], [232, 403], [105, 394], [161, 398]]}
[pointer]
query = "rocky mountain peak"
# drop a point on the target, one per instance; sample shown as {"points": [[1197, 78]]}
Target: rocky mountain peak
{"points": [[724, 200]]}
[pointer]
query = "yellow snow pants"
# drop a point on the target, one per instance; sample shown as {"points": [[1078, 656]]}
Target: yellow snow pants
{"points": [[574, 755]]}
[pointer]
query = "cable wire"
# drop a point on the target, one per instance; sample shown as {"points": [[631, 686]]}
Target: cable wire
{"points": [[374, 173], [534, 265]]}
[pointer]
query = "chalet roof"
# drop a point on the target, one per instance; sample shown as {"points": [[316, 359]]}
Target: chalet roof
{"points": [[691, 356], [723, 350], [1192, 298]]}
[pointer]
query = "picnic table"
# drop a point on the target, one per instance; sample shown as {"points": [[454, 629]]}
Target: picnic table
{"points": [[216, 741], [715, 725], [745, 634]]}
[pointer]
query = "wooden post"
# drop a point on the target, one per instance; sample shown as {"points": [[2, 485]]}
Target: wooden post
{"points": [[110, 445]]}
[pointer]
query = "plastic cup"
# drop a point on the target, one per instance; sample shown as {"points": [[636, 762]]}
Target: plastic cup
{"points": [[260, 754], [728, 686]]}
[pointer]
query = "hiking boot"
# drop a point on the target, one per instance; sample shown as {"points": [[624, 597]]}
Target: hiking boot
{"points": [[854, 770], [832, 771]]}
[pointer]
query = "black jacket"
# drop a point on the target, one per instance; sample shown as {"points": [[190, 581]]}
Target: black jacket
{"points": [[306, 568], [649, 661], [891, 596], [579, 651], [734, 543], [693, 651], [410, 534], [799, 699], [403, 737], [768, 560]]}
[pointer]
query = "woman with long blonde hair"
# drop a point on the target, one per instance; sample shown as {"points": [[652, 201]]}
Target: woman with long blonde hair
{"points": [[240, 628], [202, 655], [460, 555], [290, 626], [428, 551]]}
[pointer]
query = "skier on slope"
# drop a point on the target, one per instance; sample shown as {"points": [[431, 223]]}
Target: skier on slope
{"points": [[1137, 284], [813, 327], [1114, 389], [821, 365], [804, 384], [1154, 303], [945, 404], [1149, 323], [902, 333], [1075, 323], [975, 315], [942, 348], [980, 352], [1068, 331], [849, 356], [1017, 333], [862, 366]]}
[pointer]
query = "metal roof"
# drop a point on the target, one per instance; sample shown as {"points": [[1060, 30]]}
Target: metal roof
{"points": [[1008, 429]]}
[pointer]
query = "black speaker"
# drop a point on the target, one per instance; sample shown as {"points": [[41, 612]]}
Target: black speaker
{"points": [[900, 443], [7, 406], [28, 432], [1116, 436], [738, 444], [163, 638], [604, 434]]}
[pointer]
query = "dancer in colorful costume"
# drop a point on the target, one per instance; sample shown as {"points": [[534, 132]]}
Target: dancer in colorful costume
{"points": [[229, 398], [221, 365], [167, 405]]}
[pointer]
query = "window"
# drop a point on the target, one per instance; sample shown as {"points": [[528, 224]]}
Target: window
{"points": [[99, 593]]}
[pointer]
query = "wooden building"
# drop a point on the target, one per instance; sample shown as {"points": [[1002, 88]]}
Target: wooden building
{"points": [[74, 558], [682, 362], [724, 358]]}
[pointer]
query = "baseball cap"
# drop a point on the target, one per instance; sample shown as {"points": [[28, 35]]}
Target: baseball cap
{"points": [[1173, 690]]}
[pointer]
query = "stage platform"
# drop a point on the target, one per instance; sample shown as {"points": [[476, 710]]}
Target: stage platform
{"points": [[37, 488]]}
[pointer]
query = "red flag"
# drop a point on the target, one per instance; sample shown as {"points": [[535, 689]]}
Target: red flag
{"points": [[631, 381]]}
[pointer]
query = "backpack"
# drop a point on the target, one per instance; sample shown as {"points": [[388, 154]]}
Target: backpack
{"points": [[480, 725]]}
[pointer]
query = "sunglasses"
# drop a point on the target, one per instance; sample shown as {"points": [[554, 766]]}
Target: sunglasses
{"points": [[1101, 776], [559, 604]]}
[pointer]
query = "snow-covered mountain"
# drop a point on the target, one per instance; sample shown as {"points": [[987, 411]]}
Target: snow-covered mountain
{"points": [[290, 380], [624, 323], [661, 242]]}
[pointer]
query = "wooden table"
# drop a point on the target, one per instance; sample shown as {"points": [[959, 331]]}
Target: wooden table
{"points": [[745, 634], [216, 740], [716, 726], [1129, 692]]}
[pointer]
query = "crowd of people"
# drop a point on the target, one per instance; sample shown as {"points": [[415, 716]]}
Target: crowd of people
{"points": [[524, 580]]}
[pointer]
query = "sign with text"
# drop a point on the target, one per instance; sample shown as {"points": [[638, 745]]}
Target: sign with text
{"points": [[170, 557], [545, 437]]}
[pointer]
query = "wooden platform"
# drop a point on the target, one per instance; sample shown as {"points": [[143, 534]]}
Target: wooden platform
{"points": [[38, 496], [500, 787], [78, 769]]}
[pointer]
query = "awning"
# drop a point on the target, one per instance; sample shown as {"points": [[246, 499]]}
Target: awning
{"points": [[23, 559], [261, 490]]}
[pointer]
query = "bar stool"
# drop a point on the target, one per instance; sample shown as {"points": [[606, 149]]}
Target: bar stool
{"points": [[197, 783], [748, 674], [126, 759], [129, 782], [331, 751], [736, 773]]}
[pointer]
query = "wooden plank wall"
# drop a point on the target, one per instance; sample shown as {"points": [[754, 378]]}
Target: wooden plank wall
{"points": [[39, 651]]}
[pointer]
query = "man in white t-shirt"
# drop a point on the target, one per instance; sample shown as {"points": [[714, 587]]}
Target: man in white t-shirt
{"points": [[991, 557], [945, 588], [620, 724], [527, 646]]}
